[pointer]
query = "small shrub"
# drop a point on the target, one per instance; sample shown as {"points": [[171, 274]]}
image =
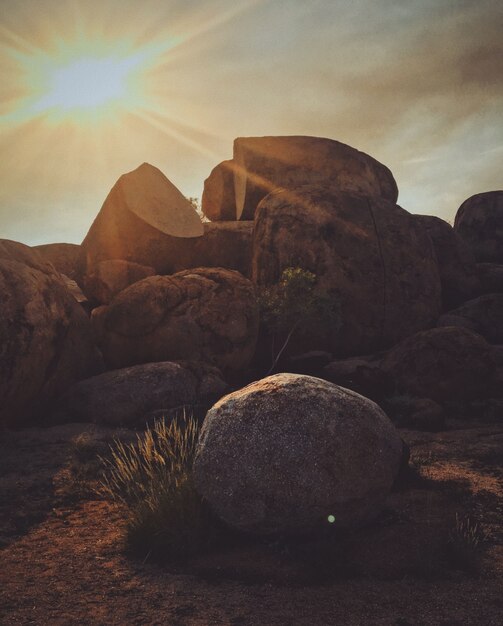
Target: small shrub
{"points": [[296, 305], [152, 478], [465, 542], [84, 466]]}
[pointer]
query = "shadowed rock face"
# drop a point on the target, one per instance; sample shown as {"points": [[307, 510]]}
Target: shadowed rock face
{"points": [[202, 314], [219, 201], [108, 278], [144, 219], [284, 453], [224, 244], [66, 258], [456, 262], [45, 336], [491, 277], [483, 315], [129, 396], [374, 256], [444, 364], [479, 221]]}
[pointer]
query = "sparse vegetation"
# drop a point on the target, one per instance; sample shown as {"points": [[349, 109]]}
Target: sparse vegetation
{"points": [[152, 478], [296, 305], [465, 542], [84, 465]]}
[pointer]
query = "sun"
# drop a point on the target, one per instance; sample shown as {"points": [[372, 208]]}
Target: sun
{"points": [[89, 83]]}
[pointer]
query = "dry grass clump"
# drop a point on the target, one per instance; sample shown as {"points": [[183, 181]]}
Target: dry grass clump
{"points": [[465, 543], [152, 478]]}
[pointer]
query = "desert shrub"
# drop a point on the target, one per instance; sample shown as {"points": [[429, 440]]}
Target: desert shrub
{"points": [[84, 466], [465, 542], [297, 306], [152, 478]]}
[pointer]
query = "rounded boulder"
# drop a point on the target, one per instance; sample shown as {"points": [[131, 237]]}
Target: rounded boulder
{"points": [[203, 314], [290, 453], [479, 221]]}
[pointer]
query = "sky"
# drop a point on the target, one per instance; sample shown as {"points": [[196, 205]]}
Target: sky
{"points": [[92, 89]]}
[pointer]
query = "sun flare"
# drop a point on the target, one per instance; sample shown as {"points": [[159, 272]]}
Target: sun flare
{"points": [[88, 85]]}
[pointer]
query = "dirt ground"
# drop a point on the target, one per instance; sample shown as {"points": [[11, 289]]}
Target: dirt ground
{"points": [[63, 562]]}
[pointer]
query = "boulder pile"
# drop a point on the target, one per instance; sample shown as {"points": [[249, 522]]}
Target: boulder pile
{"points": [[157, 310]]}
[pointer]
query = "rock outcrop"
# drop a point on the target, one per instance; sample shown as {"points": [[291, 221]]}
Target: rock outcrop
{"points": [[444, 364], [288, 451], [45, 336], [376, 259], [129, 396], [145, 220], [202, 314], [483, 315], [456, 262], [479, 221]]}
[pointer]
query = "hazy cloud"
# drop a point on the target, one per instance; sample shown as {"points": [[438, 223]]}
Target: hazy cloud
{"points": [[419, 85]]}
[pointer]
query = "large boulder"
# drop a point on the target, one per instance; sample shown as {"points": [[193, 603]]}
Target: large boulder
{"points": [[224, 244], [288, 451], [129, 396], [263, 164], [479, 221], [108, 278], [444, 364], [218, 201], [203, 314], [146, 220], [376, 259], [483, 315], [66, 258], [456, 262], [45, 336]]}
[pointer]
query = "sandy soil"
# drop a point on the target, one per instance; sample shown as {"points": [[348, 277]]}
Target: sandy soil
{"points": [[62, 558]]}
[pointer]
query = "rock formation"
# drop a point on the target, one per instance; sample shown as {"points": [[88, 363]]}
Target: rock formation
{"points": [[45, 336], [263, 164]]}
